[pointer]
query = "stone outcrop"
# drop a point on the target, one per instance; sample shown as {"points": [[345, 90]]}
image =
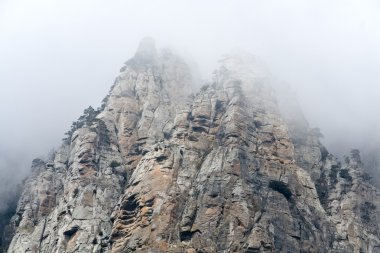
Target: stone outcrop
{"points": [[159, 169]]}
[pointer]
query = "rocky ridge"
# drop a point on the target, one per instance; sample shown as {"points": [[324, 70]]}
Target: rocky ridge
{"points": [[159, 169]]}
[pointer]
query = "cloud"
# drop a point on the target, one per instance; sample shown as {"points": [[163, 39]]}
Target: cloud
{"points": [[58, 57]]}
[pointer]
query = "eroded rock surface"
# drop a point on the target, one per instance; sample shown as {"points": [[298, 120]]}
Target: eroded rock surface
{"points": [[159, 169]]}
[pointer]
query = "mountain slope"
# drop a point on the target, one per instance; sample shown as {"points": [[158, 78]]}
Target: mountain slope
{"points": [[158, 169]]}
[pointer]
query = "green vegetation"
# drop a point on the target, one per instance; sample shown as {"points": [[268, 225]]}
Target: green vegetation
{"points": [[324, 153], [7, 210], [87, 120], [88, 117], [366, 209], [366, 176], [333, 174], [344, 174], [102, 131], [114, 164], [322, 189]]}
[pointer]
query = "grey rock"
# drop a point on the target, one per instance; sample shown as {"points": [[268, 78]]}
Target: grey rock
{"points": [[227, 169]]}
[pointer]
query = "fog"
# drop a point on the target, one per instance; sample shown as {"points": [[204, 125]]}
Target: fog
{"points": [[59, 57]]}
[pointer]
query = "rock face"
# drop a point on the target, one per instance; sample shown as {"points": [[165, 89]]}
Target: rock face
{"points": [[159, 169]]}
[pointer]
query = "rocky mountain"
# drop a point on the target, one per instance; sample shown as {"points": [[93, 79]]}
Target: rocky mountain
{"points": [[231, 168]]}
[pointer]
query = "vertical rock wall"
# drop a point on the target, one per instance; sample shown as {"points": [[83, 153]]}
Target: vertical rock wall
{"points": [[159, 169]]}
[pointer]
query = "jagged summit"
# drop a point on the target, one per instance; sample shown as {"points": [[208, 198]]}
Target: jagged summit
{"points": [[147, 45], [158, 169], [146, 50], [145, 55]]}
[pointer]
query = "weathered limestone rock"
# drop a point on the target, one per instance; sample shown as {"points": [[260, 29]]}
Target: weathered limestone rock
{"points": [[158, 169]]}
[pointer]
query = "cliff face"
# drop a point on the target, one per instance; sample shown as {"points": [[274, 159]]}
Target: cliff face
{"points": [[157, 169]]}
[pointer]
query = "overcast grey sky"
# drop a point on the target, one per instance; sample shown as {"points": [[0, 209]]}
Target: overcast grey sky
{"points": [[57, 57]]}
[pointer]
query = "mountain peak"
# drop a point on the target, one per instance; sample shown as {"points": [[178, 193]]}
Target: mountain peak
{"points": [[146, 50], [218, 171]]}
